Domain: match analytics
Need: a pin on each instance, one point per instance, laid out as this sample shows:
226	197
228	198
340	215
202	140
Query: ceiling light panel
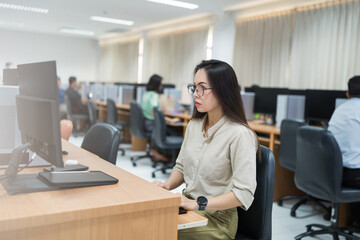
76	31
23	8
176	3
112	20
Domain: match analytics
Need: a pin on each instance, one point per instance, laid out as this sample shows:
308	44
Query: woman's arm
221	202
175	179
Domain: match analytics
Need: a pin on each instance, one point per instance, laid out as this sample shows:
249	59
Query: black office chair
255	223
102	139
166	143
137	129
74	117
112	119
92	113
319	174
287	159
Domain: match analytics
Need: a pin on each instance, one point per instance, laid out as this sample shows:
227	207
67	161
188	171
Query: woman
217	160
150	100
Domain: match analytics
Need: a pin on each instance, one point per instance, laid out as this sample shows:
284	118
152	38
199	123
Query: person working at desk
345	125
150	100
217	160
75	97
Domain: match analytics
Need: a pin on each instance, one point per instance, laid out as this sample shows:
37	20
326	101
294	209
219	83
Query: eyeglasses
199	89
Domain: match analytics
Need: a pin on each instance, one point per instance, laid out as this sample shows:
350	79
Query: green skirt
221	225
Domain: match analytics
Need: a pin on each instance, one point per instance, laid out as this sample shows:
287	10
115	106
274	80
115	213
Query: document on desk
191	219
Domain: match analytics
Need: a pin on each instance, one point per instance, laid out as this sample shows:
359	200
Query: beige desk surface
131	209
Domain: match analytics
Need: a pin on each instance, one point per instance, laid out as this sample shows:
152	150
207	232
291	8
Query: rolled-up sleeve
243	160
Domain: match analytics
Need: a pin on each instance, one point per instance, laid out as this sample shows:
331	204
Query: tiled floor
284	227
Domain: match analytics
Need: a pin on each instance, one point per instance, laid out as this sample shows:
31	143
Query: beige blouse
222	162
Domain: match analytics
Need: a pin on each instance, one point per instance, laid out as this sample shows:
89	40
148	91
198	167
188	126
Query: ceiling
76	13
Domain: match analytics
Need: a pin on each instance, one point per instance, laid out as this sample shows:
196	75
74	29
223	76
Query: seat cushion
348	195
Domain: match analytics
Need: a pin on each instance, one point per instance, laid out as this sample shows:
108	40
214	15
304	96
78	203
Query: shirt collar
214	128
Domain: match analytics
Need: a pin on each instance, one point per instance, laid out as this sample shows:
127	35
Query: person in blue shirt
345	125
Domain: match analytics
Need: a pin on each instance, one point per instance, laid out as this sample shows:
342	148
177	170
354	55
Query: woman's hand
161	184
188	204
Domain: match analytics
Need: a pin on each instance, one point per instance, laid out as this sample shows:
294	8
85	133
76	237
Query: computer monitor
98	91
10	135
139	92
248	99
111	92
10	77
39	123
175	94
85	90
266	99
126	94
320	104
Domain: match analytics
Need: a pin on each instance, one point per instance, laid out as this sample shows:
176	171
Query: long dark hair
154	83
226	88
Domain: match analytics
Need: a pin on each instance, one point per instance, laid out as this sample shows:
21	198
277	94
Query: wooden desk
131	209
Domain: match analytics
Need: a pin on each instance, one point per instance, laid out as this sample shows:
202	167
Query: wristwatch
202	202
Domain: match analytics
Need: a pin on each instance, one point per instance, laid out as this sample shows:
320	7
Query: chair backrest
68	107
287	155
111	111
255	223
319	163
92	112
102	139
137	123
160	128
66	128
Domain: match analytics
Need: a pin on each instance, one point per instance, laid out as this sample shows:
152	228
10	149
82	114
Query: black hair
71	80
354	86
154	83
225	87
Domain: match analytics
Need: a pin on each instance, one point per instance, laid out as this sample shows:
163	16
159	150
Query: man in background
75	97
345	125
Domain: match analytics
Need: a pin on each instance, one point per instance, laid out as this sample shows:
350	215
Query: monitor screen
38	110
10	77
266	99
320	104
111	91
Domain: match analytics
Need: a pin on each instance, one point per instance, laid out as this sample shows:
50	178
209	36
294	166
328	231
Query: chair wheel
280	202
154	165
153	175
327	216
134	164
163	171
123	153
308	229
293	213
131	158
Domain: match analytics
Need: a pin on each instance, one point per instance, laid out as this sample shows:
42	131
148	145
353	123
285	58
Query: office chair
66	127
92	113
137	129
102	139
320	175
166	143
112	119
287	159
255	223
74	117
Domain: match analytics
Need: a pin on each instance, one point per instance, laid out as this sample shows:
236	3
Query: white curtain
119	62
175	56
261	51
325	48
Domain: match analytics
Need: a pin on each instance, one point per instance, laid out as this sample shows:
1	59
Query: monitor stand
24	183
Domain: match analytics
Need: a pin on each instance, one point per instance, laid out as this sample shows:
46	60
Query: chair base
162	169
332	230
303	200
134	159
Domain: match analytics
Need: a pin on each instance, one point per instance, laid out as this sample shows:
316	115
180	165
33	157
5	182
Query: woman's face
207	102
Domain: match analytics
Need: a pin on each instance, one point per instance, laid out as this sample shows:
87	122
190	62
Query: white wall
74	56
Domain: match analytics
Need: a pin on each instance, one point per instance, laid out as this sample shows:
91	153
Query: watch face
202	200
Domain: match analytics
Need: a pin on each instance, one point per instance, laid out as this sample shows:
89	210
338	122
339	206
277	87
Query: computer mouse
71	162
